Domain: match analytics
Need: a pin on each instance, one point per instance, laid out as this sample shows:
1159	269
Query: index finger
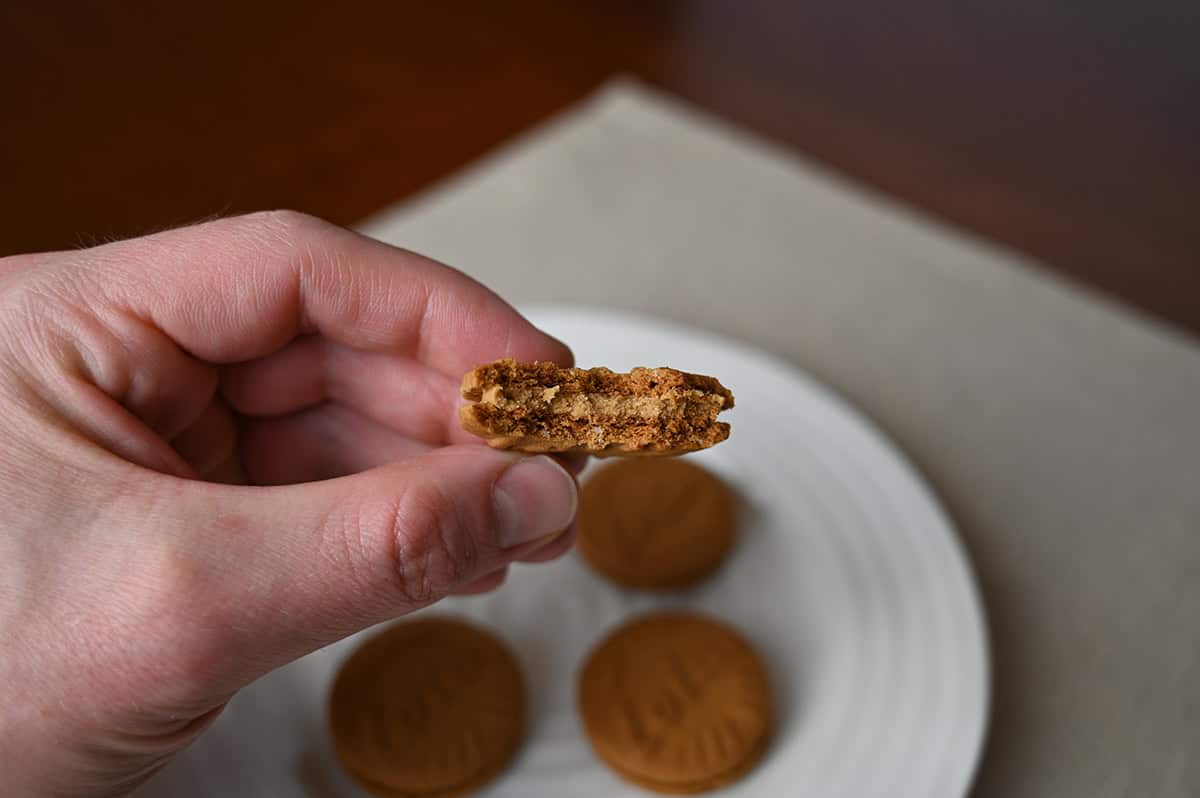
240	288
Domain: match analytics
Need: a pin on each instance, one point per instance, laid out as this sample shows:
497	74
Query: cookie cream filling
592	405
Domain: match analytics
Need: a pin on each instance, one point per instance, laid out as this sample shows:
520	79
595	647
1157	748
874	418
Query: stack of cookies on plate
673	701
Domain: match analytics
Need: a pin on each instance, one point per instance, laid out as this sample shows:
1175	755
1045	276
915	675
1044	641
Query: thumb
274	573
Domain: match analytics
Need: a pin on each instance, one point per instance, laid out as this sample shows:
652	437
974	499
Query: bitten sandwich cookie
542	407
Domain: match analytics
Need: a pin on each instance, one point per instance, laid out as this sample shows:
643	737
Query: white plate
848	577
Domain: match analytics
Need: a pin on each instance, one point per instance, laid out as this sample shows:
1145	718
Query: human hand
137	592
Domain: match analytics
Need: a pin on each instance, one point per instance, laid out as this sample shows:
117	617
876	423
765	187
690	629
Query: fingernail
534	498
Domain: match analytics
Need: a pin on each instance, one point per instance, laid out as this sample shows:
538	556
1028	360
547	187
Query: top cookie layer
676	702
655	523
427	707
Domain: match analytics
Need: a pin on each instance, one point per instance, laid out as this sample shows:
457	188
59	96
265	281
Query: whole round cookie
676	702
655	523
432	707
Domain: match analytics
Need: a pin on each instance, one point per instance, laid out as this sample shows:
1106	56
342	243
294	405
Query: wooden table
1068	131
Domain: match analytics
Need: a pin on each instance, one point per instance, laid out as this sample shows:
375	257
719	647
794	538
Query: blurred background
1068	131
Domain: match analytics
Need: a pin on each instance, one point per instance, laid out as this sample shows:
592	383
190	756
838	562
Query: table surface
1068	132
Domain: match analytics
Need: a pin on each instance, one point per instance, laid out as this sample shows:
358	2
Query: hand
137	592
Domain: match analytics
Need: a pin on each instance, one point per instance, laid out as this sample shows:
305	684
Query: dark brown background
1069	130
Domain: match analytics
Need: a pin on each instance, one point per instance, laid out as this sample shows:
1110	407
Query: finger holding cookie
226	446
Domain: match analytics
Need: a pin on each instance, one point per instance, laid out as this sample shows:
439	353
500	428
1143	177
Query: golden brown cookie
542	407
655	523
676	702
432	707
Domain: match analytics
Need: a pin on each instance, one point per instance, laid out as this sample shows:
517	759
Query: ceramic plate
848	577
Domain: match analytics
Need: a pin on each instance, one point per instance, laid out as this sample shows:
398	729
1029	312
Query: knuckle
287	225
431	548
290	235
308	249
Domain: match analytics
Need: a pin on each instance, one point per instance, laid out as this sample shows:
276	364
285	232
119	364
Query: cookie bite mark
543	407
